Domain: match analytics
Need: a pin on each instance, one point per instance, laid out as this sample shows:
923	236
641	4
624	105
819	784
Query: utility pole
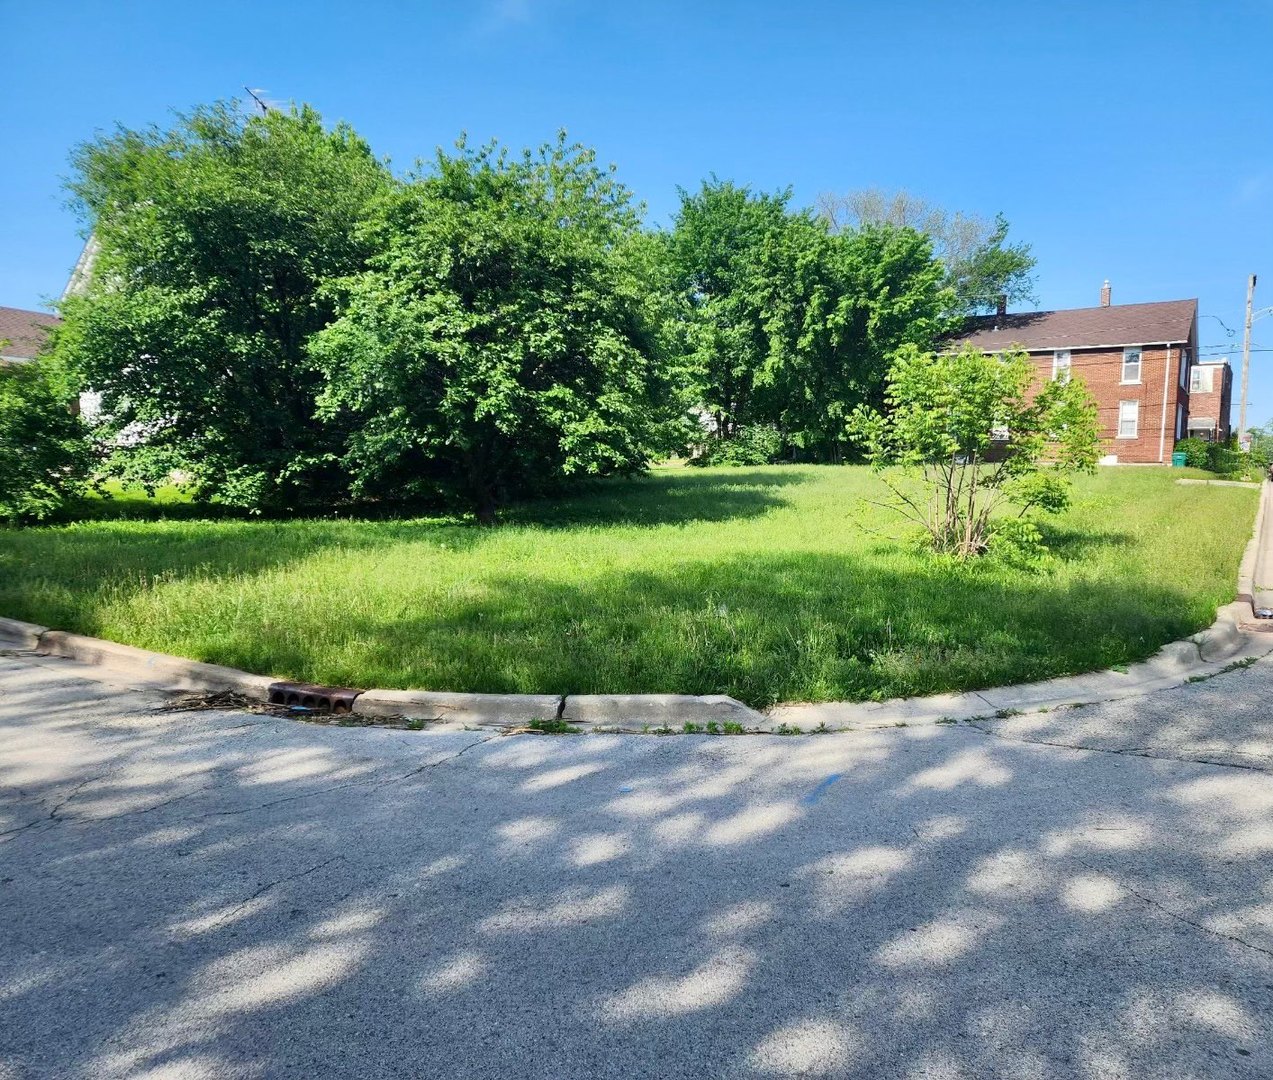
1246	361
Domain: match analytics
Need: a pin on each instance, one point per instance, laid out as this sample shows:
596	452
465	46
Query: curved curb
1236	637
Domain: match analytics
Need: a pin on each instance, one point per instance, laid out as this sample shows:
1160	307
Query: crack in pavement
229	915
1159	906
54	817
451	757
1127	751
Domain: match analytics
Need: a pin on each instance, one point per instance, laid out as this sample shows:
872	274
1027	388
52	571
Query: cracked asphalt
1086	893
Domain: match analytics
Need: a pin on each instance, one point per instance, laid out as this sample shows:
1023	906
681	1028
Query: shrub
1018	542
756	444
945	428
44	455
1196	451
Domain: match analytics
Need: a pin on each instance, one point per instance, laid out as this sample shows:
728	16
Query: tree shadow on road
228	895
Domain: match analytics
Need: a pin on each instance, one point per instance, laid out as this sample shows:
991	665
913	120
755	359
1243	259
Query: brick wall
1218	403
1102	370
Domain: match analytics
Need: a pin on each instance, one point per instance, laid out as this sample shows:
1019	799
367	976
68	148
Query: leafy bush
945	413
1232	464
1018	542
44	455
1196	451
1224	459
756	444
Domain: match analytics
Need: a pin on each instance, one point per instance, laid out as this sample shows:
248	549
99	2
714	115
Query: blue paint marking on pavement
821	789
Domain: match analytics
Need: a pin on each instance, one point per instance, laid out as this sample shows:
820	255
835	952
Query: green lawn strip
758	583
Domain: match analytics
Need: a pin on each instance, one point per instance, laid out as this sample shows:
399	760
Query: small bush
1018	542
44	455
756	444
1196	451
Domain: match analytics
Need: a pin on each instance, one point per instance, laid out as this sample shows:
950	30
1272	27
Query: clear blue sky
1123	140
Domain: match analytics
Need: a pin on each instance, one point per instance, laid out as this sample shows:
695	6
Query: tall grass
759	583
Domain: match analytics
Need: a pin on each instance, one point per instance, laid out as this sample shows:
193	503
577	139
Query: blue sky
1128	141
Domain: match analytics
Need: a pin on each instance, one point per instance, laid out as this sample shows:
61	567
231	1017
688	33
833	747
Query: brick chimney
1003	304
1105	294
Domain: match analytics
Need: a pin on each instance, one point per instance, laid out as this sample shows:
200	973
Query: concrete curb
1232	638
481	710
1254	582
15	634
150	670
640	712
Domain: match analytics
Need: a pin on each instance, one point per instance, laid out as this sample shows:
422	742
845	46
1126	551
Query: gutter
1162	431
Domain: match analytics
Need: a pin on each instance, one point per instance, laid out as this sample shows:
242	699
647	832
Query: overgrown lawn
758	583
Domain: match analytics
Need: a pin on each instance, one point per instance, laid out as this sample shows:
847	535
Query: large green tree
789	324
214	241
504	337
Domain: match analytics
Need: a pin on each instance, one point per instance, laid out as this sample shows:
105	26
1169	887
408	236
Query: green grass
757	583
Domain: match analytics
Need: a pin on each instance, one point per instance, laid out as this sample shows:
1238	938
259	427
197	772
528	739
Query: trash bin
1178	459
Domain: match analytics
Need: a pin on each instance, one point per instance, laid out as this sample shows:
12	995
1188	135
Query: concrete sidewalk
220	894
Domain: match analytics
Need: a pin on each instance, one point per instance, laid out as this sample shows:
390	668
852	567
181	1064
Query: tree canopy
44	452
501	338
788	324
215	239
981	266
277	318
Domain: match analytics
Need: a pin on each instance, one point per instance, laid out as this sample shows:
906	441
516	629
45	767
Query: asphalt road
220	894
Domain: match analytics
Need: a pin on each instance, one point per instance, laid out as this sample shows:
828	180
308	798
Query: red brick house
1210	400
1135	358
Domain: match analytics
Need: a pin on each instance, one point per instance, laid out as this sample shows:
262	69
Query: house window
1131	365
1200	380
1061	365
1180	420
1184	368
1128	419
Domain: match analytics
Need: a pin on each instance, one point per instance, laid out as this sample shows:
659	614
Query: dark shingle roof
24	330
1118	324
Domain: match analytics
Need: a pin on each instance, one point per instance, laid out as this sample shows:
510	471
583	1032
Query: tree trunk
485	507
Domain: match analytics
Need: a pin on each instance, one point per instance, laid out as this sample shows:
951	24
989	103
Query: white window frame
1199	374
1062	364
1123	407
1139	362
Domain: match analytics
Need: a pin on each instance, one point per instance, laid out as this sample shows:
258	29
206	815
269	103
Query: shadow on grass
665	497
760	628
1074	544
132	552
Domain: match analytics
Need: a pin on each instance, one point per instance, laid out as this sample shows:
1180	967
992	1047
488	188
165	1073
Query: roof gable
1076	328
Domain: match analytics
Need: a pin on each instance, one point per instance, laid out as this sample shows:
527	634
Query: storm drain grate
312	698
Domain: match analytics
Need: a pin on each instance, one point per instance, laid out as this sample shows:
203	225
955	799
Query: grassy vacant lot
755	583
